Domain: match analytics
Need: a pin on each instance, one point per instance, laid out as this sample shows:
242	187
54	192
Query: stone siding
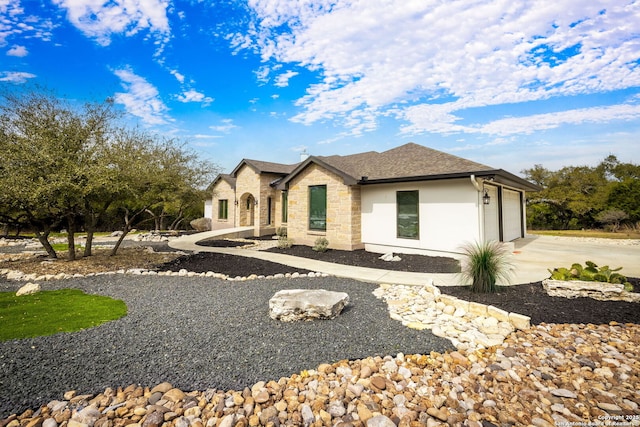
250	187
221	191
343	210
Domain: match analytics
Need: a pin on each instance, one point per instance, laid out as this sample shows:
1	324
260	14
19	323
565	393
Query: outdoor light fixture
256	202
236	202
486	199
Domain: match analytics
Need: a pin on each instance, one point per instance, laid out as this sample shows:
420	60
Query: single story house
410	199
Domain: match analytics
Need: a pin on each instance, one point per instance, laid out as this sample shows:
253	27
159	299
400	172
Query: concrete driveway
534	254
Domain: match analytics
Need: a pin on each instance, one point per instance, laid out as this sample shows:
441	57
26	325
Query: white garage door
511	215
491	215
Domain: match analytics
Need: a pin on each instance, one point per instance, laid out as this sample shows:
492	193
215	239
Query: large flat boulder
596	290
306	304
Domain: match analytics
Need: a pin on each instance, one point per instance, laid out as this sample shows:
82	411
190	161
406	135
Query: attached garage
511	215
503	216
492	214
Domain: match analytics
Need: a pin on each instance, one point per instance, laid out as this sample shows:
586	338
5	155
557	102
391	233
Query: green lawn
50	312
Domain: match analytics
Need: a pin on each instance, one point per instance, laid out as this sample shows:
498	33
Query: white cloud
192	95
204	136
226	126
99	19
16	77
179	77
262	74
537	122
425	62
433	119
19	51
141	98
283	79
14	23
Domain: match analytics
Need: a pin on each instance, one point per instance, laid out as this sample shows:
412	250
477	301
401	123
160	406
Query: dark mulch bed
528	299
222	243
228	243
361	258
230	265
532	300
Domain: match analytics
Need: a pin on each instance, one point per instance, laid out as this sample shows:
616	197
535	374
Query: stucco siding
448	215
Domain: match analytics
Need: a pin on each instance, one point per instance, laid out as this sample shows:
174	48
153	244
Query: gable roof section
223	177
409	162
265	167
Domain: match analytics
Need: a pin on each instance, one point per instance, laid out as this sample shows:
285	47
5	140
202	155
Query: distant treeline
576	197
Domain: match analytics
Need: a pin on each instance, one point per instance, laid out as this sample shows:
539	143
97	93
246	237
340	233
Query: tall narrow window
318	207
269	207
408	221
285	206
223	209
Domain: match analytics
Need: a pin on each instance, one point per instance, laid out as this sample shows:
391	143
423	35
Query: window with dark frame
318	207
285	206
223	209
407	218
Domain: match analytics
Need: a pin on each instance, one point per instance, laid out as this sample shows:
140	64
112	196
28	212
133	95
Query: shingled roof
409	162
224	177
266	167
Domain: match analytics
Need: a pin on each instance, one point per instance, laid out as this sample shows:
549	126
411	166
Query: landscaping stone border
18	275
468	325
582	289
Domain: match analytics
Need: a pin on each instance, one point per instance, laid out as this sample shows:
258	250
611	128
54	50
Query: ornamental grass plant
485	264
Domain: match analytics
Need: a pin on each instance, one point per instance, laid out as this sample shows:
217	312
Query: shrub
284	242
612	218
590	273
485	264
321	244
281	232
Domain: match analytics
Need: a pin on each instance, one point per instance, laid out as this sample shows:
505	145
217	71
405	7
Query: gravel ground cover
197	333
202	333
528	299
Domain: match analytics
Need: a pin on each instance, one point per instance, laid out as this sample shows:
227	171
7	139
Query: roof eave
346	178
498	175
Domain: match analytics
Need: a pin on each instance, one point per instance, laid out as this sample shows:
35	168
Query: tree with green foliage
67	166
573	197
155	173
612	218
49	151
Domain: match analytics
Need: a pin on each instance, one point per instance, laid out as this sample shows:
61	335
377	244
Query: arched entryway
247	207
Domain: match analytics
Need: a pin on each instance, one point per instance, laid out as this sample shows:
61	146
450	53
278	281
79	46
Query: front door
247	210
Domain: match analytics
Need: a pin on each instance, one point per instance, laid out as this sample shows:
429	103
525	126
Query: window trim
223	209
285	207
416	222
311	221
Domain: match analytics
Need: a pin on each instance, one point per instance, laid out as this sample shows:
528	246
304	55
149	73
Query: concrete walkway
531	259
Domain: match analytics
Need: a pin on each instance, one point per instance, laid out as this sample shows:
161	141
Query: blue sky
506	83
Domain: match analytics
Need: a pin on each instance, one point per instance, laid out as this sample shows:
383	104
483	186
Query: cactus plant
590	273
